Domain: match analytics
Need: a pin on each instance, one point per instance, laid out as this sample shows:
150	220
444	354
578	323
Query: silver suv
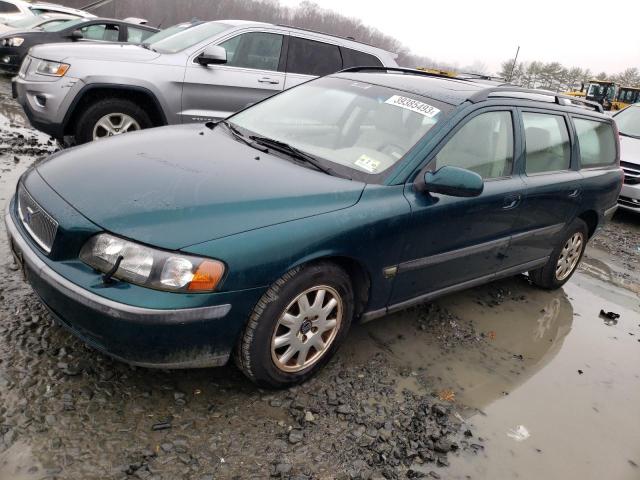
80	93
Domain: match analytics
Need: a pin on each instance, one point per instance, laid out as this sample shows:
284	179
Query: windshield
58	27
595	90
364	127
188	38
28	22
628	121
161	35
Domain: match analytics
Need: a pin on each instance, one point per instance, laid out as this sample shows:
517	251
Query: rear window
354	58
312	58
596	141
547	143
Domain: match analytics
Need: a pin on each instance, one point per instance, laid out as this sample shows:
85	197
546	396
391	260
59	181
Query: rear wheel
110	117
296	326
564	259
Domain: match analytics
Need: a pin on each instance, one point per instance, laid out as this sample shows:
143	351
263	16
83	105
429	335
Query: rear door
453	240
254	71
553	185
307	59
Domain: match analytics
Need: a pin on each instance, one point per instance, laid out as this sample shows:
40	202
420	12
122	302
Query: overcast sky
582	33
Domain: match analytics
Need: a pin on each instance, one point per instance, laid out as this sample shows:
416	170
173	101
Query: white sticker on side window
413	105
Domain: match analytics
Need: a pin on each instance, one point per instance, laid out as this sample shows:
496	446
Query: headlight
55	69
150	267
13	41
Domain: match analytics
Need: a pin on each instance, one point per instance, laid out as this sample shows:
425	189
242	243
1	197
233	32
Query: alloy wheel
114	124
569	256
307	328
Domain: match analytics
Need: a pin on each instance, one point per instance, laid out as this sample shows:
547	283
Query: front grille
629	202
631	173
40	225
25	66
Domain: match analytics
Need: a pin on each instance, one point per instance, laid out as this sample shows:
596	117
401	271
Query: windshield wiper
293	152
238	135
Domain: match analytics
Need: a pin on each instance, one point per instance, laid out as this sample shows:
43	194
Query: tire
551	276
257	354
113	108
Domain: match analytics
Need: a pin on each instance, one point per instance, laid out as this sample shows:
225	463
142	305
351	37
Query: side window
483	145
8	8
137	35
354	58
547	142
254	50
105	32
596	141
312	58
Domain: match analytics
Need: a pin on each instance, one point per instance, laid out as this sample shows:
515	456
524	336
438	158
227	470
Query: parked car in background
343	199
628	121
35	22
15	44
204	73
15	9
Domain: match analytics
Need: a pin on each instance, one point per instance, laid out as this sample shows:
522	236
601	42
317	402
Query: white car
15	9
35	22
628	121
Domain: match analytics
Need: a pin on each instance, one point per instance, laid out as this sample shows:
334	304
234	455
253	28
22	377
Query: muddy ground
498	382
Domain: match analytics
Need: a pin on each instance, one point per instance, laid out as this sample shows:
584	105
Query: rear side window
354	58
8	8
596	141
547	142
257	50
312	58
138	35
483	145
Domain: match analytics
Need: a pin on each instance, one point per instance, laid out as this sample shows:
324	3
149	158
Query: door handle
574	193
512	201
272	81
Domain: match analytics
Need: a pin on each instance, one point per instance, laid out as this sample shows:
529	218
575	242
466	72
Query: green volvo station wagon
265	236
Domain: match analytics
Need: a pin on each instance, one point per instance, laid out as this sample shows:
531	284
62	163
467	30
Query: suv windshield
161	35
628	121
188	38
364	127
28	22
58	27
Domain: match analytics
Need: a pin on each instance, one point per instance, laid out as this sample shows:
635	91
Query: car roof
456	91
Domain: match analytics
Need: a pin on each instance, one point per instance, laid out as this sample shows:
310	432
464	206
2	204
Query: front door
250	75
452	240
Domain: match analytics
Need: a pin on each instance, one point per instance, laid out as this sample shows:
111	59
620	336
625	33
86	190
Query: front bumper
630	198
158	338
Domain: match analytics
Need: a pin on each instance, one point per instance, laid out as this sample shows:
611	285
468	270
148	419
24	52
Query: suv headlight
150	267
54	69
13	41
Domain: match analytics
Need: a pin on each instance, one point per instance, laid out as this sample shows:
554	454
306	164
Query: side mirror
212	55
76	35
453	181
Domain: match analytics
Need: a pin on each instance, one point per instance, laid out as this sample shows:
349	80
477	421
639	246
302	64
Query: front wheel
296	326
564	259
110	117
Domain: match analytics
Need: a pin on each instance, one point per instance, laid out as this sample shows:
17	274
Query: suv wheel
564	259
110	117
296	326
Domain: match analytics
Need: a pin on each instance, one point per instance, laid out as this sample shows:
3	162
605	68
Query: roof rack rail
536	95
328	35
411	71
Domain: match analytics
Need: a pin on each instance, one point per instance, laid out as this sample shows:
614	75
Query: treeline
556	77
307	15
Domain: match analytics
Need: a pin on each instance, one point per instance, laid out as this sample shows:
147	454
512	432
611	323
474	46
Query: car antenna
107	278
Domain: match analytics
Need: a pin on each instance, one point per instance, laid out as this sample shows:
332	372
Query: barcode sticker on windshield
367	163
413	105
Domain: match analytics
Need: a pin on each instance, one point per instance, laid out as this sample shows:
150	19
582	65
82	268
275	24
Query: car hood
113	52
630	149
178	186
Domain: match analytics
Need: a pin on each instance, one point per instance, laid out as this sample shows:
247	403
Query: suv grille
631	173
40	225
